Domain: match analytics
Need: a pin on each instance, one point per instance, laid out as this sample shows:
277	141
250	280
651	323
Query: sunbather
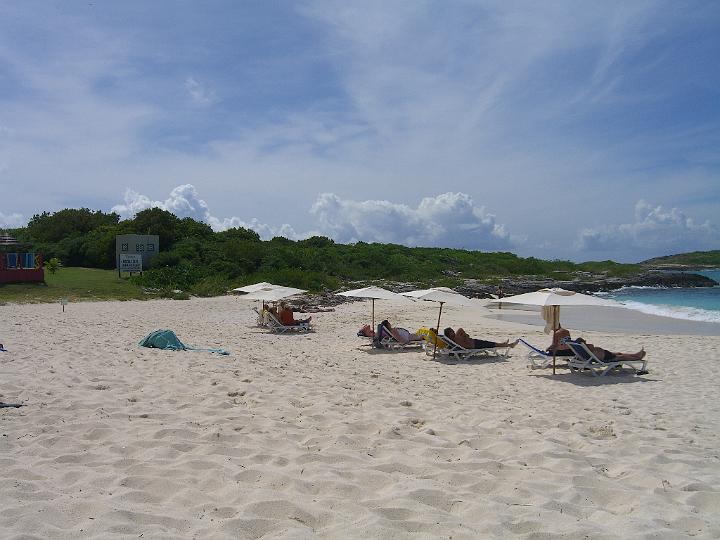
366	331
461	338
558	346
606	356
288	318
400	334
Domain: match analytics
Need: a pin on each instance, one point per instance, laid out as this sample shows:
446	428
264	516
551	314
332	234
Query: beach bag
167	340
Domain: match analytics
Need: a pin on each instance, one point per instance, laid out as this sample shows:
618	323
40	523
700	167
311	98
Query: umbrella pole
556	325
438	331
373	314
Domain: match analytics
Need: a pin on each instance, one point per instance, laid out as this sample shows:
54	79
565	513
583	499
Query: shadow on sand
624	376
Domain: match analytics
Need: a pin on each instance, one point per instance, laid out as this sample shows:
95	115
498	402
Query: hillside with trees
695	258
198	260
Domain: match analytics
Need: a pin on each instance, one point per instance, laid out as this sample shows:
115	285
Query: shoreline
610	319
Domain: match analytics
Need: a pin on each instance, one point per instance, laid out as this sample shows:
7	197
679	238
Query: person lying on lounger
606	356
288	318
366	331
558	345
400	334
461	338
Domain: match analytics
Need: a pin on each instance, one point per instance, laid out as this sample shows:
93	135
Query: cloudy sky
563	129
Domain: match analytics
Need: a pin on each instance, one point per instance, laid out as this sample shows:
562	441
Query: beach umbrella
256	287
273	294
550	301
442	295
374	293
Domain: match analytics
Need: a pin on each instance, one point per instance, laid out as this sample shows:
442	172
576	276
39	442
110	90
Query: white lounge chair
585	359
276	326
454	350
261	320
388	341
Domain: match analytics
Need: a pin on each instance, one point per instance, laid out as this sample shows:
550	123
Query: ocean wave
675	312
612	293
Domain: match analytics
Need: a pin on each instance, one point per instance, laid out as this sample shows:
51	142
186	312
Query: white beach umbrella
374	293
553	299
443	295
274	294
550	301
256	287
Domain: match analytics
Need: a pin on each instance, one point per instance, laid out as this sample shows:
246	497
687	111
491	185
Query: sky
574	129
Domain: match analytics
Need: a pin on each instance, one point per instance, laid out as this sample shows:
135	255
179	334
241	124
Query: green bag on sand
167	340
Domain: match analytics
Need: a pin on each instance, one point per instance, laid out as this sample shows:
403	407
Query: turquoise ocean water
699	304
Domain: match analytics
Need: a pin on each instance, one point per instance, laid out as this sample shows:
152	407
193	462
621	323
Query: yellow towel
431	337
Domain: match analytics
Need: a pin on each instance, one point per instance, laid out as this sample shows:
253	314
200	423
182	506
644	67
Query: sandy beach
306	436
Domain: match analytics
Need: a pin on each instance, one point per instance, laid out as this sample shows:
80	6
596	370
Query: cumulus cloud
11	220
184	201
198	92
655	231
450	220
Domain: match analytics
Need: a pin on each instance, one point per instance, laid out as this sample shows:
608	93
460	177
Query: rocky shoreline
517	285
589	284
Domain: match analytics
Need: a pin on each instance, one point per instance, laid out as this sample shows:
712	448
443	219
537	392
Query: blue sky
563	129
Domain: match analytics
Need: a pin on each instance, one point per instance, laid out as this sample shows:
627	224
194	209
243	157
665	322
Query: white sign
130	263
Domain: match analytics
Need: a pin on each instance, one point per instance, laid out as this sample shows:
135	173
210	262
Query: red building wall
21	275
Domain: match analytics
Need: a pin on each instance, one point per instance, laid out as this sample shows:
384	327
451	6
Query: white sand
316	436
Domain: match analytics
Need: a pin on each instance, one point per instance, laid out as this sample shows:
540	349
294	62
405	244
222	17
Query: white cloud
199	93
655	231
11	220
184	201
450	219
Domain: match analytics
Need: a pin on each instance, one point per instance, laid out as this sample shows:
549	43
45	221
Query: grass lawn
74	284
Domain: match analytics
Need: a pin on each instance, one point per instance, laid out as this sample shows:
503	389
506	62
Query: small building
18	263
146	246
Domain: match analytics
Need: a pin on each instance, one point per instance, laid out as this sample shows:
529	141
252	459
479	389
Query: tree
188	227
156	221
67	223
239	233
53	265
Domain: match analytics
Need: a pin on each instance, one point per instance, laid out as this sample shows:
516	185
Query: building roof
6	240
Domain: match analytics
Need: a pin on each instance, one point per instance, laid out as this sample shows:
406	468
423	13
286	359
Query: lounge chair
276	326
585	359
388	341
260	317
538	358
460	352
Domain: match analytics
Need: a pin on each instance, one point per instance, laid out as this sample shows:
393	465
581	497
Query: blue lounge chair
538	358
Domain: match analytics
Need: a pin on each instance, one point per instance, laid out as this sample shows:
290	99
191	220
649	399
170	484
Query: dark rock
584	283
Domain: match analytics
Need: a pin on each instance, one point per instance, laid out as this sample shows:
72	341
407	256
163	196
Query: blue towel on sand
167	340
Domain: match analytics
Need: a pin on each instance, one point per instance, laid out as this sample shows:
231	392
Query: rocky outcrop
590	284
587	283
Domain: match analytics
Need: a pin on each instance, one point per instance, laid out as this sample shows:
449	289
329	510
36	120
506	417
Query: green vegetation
198	261
700	258
73	284
53	265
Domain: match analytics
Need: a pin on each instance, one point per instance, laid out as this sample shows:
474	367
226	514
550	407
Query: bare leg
631	356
